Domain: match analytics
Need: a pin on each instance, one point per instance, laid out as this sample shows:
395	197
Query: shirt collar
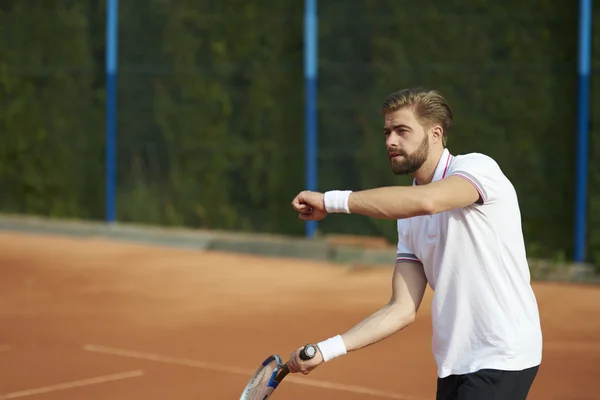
442	167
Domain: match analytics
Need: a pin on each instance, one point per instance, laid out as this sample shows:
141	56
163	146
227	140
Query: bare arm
397	202
408	286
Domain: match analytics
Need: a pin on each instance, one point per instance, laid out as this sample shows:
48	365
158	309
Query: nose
391	141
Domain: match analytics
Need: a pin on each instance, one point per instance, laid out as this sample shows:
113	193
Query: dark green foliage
211	107
51	116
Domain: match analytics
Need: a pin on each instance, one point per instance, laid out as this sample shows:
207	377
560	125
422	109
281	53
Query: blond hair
429	107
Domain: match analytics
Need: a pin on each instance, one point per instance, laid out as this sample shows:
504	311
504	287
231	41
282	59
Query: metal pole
310	76
585	49
112	26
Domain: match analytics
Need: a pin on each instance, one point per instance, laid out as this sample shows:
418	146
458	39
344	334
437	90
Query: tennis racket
270	374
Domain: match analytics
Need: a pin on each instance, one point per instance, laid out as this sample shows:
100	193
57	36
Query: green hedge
211	107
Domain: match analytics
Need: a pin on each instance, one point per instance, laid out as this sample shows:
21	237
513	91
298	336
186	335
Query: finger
306	369
306	217
297	200
302	208
292	365
304	197
296	362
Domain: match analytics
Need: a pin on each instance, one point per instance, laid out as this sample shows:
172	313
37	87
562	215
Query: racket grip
308	352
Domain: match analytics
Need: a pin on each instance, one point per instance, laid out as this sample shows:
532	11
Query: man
459	229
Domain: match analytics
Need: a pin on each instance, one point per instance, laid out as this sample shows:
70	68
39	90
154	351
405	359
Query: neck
424	175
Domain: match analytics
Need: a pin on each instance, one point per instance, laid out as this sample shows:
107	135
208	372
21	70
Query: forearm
393	202
376	327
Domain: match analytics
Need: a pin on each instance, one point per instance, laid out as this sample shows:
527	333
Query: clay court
94	319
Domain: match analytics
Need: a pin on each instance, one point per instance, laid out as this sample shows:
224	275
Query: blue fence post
112	27
310	76
581	179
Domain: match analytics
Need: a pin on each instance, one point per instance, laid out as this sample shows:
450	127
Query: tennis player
459	230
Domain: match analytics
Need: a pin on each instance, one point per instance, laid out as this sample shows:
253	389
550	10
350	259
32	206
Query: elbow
408	318
428	206
405	319
404	316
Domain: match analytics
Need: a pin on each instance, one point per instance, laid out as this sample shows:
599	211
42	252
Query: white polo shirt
484	311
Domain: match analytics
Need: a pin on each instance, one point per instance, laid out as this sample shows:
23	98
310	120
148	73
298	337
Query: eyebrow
397	126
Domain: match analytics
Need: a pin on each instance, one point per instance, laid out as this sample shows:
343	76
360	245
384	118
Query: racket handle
308	352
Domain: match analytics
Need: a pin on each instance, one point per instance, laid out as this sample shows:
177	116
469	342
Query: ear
437	133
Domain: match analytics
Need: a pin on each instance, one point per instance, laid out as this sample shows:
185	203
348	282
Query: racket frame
281	370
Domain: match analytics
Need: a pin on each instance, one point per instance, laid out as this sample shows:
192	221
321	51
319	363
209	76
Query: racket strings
256	388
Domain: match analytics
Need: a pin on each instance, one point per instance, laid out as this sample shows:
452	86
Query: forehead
404	116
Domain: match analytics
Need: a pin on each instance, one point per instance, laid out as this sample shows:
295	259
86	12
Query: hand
296	364
310	205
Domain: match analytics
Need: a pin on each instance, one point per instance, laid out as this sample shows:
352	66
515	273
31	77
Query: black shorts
487	384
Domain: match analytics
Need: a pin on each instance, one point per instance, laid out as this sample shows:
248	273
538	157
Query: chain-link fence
211	106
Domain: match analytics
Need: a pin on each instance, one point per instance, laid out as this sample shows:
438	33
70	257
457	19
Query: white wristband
332	348
336	201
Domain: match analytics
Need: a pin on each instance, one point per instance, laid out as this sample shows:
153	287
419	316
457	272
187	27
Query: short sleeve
404	252
482	171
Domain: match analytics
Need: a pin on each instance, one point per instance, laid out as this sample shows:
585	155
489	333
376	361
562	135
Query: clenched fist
310	205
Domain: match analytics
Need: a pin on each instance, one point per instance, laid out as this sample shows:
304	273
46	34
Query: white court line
74	384
4	347
242	371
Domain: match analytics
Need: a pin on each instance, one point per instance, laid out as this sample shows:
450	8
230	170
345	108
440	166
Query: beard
410	163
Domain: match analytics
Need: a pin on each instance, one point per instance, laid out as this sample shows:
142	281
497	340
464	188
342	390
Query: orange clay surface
93	319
